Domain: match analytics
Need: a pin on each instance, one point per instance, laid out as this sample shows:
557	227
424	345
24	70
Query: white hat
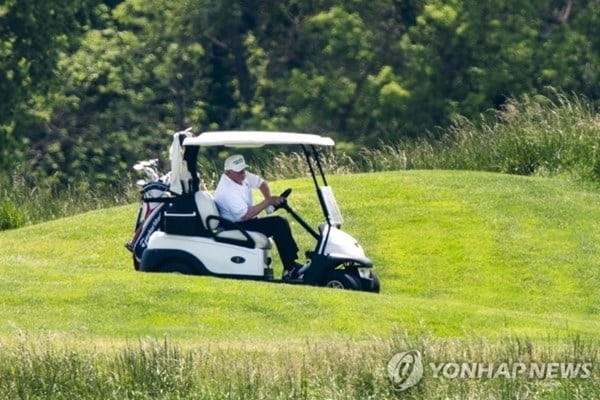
235	163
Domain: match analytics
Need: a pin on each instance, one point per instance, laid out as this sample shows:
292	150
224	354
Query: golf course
472	264
451	146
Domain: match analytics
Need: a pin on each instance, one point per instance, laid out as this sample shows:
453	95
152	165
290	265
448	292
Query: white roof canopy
255	139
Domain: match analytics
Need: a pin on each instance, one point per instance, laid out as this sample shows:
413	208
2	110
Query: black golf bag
149	219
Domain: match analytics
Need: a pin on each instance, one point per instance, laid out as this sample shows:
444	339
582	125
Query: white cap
235	163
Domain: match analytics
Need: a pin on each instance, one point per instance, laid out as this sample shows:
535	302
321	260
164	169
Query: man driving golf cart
233	196
191	233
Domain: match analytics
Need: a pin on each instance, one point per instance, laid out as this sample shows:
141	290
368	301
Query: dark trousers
279	229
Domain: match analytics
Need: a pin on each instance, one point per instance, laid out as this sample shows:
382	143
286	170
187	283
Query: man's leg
279	229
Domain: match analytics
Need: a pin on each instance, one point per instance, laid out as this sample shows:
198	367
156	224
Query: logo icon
405	370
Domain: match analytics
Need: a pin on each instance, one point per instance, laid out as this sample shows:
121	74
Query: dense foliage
89	87
32	35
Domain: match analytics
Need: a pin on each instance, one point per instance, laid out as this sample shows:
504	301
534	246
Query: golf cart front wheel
339	279
372	284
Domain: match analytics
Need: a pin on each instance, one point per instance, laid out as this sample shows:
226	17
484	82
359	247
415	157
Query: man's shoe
291	272
287	274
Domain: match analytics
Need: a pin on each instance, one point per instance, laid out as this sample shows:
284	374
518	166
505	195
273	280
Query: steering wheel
285	194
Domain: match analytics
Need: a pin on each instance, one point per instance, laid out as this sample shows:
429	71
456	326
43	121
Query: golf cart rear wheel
175	267
339	279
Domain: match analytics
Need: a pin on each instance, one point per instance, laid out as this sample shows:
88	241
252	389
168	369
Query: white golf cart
192	238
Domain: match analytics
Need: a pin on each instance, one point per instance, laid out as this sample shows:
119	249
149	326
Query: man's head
235	163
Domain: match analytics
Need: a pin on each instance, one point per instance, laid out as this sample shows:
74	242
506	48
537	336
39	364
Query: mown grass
498	254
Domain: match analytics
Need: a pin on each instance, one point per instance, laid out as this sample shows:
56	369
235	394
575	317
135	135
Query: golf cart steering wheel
285	194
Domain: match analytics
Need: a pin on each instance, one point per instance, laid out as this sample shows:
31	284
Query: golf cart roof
255	139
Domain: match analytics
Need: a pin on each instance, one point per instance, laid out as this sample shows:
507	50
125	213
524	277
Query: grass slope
458	253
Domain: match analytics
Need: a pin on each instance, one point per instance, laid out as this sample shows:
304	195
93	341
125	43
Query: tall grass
557	134
51	369
540	135
24	202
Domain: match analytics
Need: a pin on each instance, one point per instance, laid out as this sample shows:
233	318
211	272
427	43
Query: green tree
132	80
358	70
465	57
32	35
571	51
333	68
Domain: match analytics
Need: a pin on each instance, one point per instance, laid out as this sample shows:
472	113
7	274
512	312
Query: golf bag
149	219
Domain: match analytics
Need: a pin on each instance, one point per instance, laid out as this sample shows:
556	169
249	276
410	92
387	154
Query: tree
332	70
32	35
360	71
134	79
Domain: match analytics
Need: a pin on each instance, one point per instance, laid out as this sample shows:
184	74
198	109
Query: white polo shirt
234	199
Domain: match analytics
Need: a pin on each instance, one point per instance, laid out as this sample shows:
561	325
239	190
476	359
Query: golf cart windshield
333	211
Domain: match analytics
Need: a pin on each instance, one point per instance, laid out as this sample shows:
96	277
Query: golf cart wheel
175	266
339	279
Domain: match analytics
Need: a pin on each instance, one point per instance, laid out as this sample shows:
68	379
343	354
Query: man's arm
265	189
257	208
268	201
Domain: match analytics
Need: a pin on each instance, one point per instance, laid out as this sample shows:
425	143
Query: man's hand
274	200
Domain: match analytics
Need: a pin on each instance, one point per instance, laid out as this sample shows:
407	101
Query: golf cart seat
226	231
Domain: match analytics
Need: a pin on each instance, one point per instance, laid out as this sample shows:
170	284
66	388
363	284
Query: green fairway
458	253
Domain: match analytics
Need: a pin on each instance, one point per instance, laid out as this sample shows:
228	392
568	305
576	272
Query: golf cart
186	234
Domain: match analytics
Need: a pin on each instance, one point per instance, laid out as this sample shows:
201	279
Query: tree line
88	87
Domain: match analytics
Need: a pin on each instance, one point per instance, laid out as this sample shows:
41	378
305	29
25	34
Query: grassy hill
459	254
